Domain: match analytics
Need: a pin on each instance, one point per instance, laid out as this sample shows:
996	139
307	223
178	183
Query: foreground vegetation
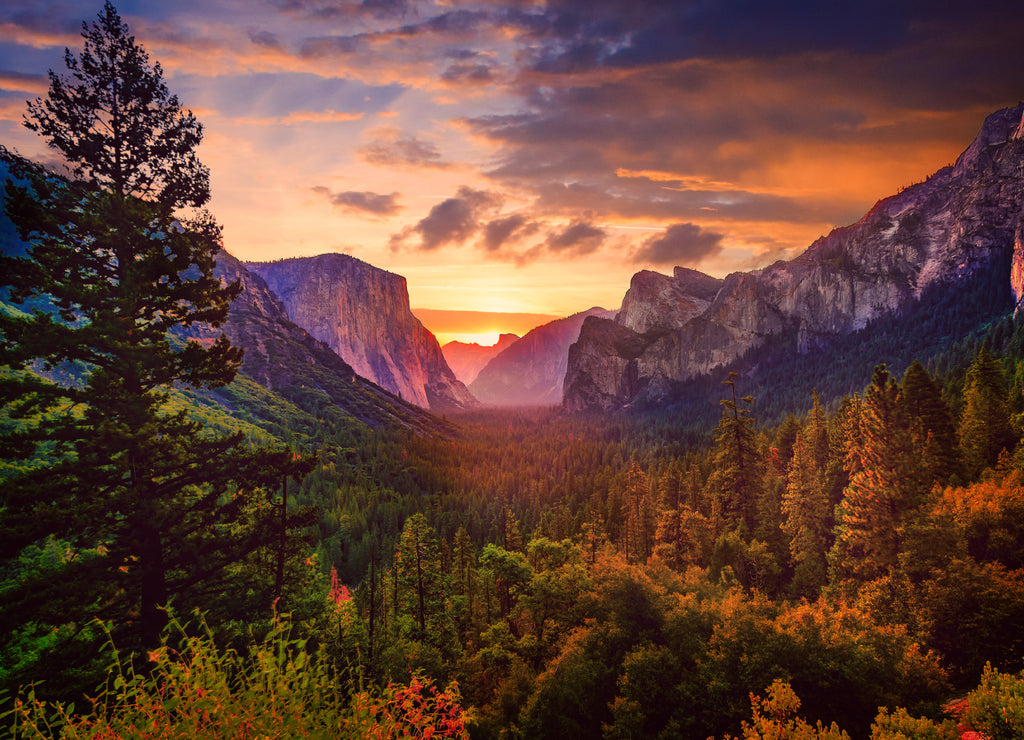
857	568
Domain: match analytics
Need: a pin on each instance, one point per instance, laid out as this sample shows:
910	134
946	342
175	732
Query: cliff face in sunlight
286	359
530	372
363	314
467	359
962	219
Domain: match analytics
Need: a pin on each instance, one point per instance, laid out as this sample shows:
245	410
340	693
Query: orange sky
480	327
515	157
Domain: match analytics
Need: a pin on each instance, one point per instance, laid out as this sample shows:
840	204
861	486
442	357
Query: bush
278	689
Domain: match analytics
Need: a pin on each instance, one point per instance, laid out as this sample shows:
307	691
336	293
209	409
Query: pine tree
682	532
120	257
985	425
886	482
931	425
637	515
736	481
808	516
422	583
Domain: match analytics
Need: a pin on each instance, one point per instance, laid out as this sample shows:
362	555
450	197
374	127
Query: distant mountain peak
531	370
467	359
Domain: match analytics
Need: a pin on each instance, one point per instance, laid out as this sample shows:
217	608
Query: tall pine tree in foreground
735	484
145	508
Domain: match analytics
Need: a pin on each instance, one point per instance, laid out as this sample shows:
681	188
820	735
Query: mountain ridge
531	370
956	223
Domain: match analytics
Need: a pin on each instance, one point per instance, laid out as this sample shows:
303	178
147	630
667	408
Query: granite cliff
362	313
964	219
287	360
530	371
467	359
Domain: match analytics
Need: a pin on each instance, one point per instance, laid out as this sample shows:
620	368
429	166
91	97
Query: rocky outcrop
531	371
286	359
362	313
467	359
960	221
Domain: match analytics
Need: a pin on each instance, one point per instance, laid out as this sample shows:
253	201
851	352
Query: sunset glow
478	327
511	158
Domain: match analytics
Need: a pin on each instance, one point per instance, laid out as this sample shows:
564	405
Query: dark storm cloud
577	35
377	204
392	149
680	244
452	221
578	238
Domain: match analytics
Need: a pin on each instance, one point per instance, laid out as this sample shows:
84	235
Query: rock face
530	372
284	357
362	313
467	359
962	219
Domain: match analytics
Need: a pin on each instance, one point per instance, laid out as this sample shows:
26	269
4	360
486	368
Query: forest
187	553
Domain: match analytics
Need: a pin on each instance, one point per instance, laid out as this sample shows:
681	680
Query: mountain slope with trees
856	566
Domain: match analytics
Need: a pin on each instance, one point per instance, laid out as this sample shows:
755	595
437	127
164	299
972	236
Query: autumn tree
886	482
149	507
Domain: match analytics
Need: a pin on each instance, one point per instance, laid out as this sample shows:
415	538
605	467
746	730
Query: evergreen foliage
147	507
644	575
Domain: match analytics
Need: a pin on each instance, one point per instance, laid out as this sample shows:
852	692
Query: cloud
391	148
266	39
452	221
680	244
29	83
325	10
469	73
286	98
578	238
499	231
377	204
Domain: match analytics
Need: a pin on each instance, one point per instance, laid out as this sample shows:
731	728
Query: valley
251	498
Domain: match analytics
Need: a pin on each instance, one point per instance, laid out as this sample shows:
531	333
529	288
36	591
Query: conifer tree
886	482
149	506
637	515
985	424
736	480
682	531
422	583
808	516
931	426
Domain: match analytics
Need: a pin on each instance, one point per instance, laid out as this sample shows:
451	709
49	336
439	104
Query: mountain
362	313
962	222
291	386
530	371
297	369
467	359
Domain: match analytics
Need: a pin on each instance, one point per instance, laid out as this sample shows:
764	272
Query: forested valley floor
856	568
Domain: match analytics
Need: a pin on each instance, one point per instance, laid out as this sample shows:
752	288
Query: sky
518	160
